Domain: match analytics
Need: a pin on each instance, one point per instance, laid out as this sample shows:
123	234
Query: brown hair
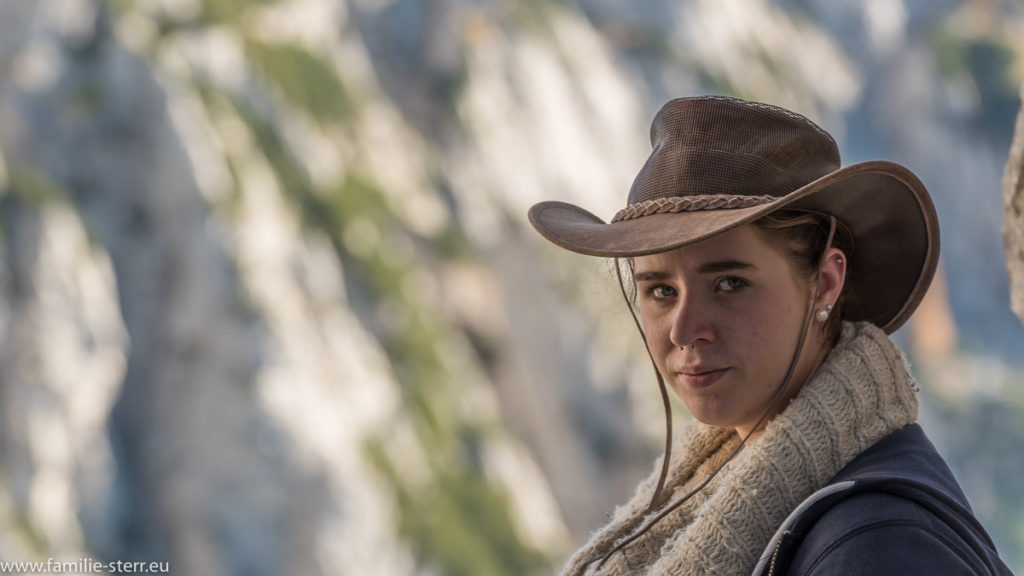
801	237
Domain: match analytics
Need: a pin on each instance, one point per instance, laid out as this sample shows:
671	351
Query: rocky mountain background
269	303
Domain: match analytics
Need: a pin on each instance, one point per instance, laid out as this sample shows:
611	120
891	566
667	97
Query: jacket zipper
775	554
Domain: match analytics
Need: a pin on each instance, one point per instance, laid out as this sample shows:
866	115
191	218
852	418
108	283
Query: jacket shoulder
895	509
878	534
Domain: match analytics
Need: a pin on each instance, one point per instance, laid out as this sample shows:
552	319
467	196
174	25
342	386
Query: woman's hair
801	237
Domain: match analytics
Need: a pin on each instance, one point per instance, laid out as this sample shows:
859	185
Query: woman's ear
833	276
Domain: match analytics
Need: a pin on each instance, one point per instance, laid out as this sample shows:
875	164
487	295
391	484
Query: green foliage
87	97
644	40
717	83
412	346
34	186
228	11
29	534
121	6
304	79
460	523
532	14
451	242
465	526
217	103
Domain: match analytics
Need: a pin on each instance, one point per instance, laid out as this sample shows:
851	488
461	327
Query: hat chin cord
808	318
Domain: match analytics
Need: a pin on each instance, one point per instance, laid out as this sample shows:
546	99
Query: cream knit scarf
860	394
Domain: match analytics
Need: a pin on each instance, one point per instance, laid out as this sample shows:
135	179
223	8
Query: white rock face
238	383
64	350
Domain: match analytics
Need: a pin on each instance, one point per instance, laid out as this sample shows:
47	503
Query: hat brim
885	207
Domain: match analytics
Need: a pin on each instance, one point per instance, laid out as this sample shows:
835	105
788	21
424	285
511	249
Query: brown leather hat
719	163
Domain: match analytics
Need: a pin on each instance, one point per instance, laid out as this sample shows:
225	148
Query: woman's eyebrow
652	276
723	266
706	268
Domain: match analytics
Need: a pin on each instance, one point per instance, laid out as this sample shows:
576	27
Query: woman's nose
690	322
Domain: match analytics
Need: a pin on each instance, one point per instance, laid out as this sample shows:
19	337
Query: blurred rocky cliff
269	303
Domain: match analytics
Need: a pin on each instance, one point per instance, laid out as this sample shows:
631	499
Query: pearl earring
822	315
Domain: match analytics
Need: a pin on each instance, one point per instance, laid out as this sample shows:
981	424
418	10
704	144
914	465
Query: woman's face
737	305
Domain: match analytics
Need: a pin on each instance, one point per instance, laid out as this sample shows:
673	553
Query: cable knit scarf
859	395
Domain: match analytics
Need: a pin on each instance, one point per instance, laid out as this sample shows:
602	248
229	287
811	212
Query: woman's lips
702	378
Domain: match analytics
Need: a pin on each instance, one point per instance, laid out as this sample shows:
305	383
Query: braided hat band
677	204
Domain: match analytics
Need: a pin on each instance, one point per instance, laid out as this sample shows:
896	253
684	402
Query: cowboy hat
719	163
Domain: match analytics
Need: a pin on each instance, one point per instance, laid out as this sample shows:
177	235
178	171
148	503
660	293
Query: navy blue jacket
894	510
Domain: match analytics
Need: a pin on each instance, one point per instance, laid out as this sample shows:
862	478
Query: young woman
766	279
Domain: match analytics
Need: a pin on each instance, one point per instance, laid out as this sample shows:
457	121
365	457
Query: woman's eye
731	284
660	292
